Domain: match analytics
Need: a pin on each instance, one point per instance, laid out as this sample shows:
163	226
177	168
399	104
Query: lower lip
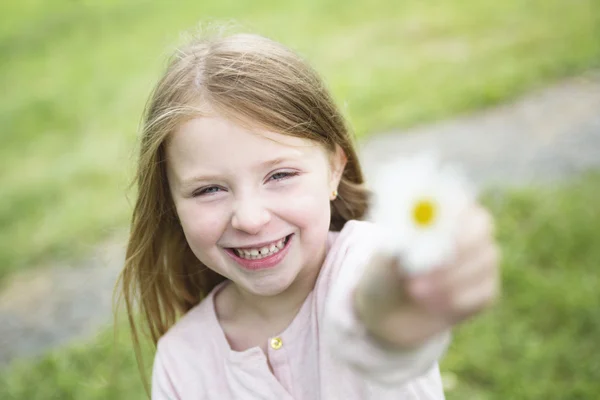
264	263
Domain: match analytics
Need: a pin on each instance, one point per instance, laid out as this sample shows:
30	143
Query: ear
337	162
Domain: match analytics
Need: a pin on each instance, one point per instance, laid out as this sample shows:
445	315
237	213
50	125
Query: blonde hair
247	78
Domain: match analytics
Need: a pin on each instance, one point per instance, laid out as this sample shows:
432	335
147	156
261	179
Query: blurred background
74	77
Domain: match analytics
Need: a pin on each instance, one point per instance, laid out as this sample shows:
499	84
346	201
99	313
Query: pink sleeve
348	338
162	385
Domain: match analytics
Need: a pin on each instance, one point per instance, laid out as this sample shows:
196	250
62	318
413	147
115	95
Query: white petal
397	189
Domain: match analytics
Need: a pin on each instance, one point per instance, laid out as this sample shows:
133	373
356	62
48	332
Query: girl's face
254	207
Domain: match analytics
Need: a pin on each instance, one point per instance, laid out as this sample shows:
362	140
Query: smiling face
254	207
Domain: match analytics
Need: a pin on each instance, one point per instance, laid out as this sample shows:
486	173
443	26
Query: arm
403	311
393	328
382	303
347	336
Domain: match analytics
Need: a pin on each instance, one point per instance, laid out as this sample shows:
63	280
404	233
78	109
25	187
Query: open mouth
260	253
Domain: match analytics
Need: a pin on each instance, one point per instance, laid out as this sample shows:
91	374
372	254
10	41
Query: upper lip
259	245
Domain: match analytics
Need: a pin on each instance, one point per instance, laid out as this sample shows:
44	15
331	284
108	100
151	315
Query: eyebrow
263	165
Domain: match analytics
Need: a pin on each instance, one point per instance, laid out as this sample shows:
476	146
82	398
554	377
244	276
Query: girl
247	257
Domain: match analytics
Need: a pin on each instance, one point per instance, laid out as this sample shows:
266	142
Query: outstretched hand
406	310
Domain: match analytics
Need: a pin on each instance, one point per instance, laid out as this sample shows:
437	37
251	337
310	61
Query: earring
334	195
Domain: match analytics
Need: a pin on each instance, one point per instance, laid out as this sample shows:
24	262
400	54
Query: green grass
75	76
539	342
100	370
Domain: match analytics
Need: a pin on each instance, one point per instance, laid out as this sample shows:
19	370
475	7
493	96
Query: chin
271	287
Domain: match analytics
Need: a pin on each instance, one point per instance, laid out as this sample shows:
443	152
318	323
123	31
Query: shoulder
193	331
187	354
351	246
361	234
196	333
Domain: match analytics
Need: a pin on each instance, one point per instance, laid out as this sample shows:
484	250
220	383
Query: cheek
308	207
202	225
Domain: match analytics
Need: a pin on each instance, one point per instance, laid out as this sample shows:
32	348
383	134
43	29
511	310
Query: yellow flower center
424	212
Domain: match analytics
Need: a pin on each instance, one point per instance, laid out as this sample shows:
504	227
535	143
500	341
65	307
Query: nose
250	216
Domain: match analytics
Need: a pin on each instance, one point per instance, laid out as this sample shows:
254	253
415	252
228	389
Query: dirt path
549	135
544	137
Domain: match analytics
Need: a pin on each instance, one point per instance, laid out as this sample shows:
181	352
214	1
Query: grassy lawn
540	342
75	76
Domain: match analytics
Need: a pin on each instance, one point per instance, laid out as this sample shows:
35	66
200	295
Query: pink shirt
325	353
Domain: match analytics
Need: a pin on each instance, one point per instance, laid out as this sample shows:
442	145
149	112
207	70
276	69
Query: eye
278	176
206	190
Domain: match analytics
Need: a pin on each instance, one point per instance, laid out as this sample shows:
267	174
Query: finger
438	290
478	228
474	235
478	291
481	263
476	298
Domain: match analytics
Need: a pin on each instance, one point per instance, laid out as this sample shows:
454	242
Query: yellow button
276	343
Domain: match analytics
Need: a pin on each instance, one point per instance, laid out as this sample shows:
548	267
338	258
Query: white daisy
417	203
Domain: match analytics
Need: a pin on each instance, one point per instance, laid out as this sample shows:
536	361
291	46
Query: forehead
219	144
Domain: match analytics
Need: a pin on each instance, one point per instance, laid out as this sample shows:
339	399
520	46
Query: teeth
255	254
